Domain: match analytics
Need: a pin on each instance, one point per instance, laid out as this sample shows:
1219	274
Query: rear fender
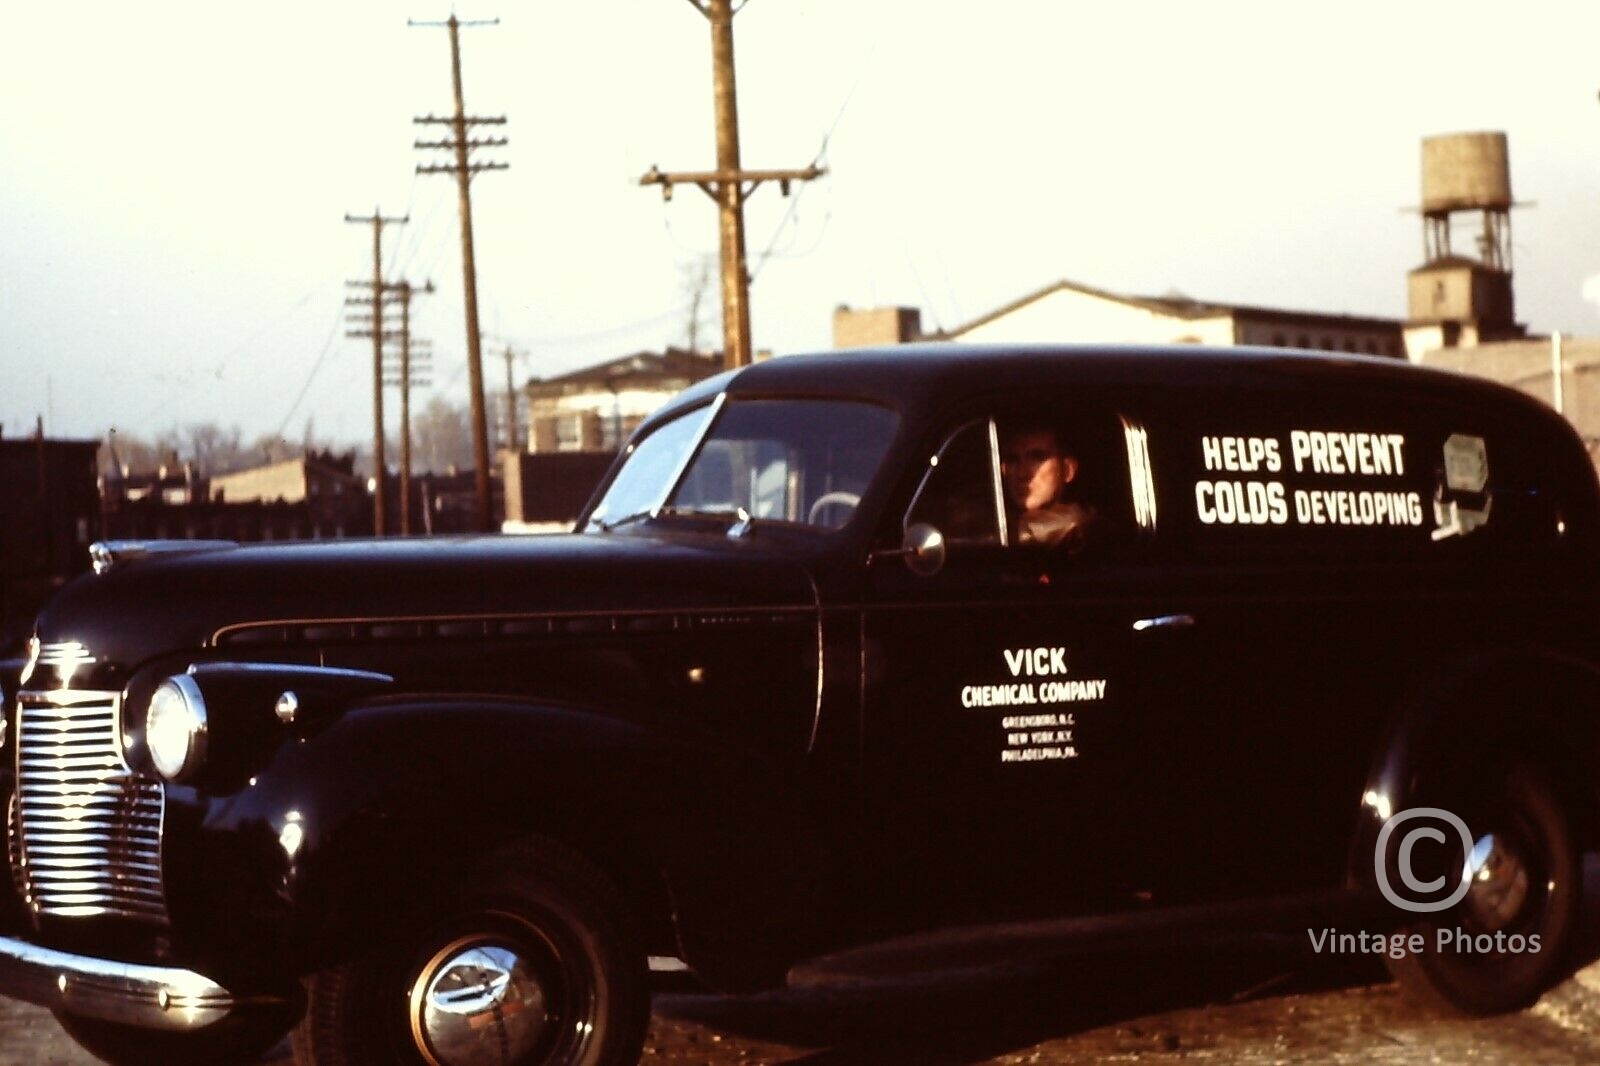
1455	720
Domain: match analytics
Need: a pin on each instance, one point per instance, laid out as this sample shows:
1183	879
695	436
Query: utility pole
729	185
405	381
463	170
377	221
511	402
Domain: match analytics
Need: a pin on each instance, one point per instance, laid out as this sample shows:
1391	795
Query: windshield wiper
740	522
627	519
638	516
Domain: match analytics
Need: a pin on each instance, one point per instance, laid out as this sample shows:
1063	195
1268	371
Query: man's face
1033	468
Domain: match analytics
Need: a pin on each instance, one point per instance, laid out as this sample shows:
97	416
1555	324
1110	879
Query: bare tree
130	454
696	286
441	437
214	449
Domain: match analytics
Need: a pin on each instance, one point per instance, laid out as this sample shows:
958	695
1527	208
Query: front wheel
1506	942
534	965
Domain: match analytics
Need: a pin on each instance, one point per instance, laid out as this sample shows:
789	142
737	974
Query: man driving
1037	470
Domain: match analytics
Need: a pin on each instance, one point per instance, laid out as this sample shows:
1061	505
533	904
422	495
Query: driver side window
960	494
1036	475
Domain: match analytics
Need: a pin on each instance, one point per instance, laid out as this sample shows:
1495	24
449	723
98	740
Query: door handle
1166	621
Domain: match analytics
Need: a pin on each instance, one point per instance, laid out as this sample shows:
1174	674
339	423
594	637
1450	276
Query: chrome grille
90	830
66	656
14	847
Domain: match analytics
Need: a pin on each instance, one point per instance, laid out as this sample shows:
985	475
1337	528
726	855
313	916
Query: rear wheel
535	963
1506	942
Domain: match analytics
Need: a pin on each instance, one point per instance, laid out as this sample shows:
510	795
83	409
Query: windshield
806	462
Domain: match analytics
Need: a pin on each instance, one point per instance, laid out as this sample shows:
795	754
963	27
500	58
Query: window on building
569	433
609	439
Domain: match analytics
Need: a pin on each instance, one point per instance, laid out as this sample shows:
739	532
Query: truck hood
165	603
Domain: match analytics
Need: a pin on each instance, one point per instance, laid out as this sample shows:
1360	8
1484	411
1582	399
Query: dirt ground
1236	1003
1248	1000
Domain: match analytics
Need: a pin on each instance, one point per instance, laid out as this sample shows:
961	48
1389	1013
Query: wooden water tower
1467	298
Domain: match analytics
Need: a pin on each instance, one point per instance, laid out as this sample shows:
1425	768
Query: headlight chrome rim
162	739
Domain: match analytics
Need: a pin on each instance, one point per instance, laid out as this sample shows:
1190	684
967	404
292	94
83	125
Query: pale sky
174	177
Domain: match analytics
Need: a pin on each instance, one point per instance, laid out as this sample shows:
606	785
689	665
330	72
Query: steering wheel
831	499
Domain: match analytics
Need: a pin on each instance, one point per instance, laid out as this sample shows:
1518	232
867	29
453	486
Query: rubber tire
239	1038
1478	985
354	1014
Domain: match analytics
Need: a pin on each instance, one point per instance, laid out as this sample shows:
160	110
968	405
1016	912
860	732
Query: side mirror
924	549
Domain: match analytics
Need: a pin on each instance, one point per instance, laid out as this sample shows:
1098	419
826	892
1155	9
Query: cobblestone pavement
1246	1004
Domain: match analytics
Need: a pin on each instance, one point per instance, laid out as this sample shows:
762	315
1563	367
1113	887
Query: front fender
246	696
367	824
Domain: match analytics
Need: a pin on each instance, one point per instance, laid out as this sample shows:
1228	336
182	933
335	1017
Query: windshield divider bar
689	455
998	479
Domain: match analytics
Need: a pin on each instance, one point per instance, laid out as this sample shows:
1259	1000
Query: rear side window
1347	478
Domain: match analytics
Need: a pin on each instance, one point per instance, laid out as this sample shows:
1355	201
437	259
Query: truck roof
912	375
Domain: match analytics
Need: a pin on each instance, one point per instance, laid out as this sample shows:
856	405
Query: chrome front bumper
152	997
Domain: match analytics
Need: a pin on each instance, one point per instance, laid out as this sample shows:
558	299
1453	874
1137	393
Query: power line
816	162
327	346
188	377
425	232
266	325
429	247
599	334
394	255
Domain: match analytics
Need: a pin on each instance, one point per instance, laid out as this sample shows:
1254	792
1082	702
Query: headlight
175	727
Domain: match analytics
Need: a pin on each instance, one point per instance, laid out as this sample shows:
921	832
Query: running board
984	947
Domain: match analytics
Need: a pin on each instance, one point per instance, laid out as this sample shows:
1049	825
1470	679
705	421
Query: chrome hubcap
478	1002
1498	878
